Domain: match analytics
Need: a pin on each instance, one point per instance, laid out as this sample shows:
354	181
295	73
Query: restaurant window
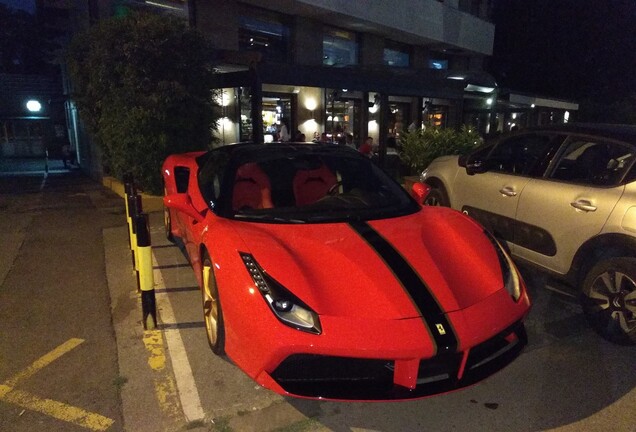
399	114
397	55
277	108
343	115
245	113
339	48
436	117
266	36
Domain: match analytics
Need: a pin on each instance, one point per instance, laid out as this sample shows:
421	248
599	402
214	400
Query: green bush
420	147
142	85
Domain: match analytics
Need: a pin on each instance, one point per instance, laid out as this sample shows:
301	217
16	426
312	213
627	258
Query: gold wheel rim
210	304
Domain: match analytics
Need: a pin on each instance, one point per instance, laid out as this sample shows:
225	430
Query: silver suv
563	198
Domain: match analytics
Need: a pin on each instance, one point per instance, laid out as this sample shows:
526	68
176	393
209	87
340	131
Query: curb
150	203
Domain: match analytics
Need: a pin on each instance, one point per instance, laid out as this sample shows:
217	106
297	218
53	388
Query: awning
395	82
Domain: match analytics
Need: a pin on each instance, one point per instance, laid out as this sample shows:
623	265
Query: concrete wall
371	50
218	20
306	46
424	20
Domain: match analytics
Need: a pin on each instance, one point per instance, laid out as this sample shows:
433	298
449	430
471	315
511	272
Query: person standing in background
284	131
367	147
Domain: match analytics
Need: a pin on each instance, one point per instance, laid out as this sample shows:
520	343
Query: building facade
343	68
335	69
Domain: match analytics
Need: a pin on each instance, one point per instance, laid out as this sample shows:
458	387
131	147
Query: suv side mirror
181	202
476	166
461	161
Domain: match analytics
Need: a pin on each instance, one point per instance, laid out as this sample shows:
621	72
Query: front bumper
345	378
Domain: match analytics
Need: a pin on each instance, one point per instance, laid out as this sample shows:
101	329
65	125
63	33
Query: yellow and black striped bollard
145	272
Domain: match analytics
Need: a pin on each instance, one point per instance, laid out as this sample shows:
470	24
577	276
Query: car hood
444	159
357	270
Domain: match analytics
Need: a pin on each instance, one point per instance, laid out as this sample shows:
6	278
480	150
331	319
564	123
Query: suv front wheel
436	197
609	299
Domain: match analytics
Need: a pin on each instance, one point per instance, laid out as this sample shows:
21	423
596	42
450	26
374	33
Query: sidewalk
33	166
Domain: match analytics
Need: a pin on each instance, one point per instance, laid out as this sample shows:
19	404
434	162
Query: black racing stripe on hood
413	284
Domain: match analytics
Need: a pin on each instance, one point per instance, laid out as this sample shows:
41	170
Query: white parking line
560	291
188	393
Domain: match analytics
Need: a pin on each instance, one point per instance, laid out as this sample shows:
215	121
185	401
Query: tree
421	146
142	85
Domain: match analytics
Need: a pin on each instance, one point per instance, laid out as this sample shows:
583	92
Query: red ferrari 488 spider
321	277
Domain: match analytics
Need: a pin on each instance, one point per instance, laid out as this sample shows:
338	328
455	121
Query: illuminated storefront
336	102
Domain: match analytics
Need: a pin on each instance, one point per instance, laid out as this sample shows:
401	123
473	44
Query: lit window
269	37
438	64
397	55
339	48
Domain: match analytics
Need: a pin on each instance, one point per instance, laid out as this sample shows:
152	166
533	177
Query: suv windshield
301	184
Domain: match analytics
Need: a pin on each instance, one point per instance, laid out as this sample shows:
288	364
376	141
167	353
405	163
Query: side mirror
420	191
181	202
475	167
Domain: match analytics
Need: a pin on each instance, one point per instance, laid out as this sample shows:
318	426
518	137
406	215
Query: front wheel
167	224
436	197
167	220
609	299
212	313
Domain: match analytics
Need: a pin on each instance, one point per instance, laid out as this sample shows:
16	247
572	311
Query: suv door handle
508	191
584	205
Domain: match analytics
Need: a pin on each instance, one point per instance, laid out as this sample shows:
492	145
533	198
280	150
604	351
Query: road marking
557	290
55	409
188	393
43	181
43	361
165	388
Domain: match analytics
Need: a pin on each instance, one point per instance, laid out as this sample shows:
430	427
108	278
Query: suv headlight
511	279
288	308
423	175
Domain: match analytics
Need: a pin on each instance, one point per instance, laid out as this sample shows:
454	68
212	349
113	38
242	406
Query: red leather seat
311	185
252	188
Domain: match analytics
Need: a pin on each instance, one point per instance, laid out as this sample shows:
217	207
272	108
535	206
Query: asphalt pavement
58	358
74	355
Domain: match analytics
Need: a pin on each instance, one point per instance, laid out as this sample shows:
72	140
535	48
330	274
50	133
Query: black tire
609	299
167	224
212	312
436	197
167	220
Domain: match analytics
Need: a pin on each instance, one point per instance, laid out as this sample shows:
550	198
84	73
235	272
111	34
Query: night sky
566	48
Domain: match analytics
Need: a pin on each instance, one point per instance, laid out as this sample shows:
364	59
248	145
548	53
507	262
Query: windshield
313	186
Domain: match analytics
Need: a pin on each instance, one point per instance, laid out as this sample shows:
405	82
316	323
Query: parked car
321	277
563	198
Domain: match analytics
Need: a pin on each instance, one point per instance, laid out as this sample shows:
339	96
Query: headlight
288	308
508	269
423	175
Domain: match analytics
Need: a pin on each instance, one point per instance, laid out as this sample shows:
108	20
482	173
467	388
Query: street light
33	105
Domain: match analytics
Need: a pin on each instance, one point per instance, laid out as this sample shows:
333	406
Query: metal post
145	271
